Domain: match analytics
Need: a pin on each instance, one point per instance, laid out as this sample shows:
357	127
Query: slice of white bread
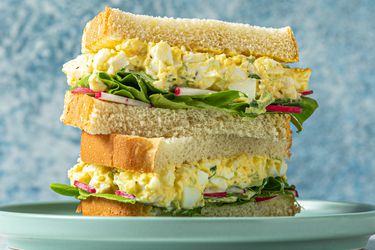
282	205
100	117
142	154
112	26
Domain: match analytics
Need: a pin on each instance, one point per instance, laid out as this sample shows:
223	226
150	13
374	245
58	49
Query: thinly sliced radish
235	190
190	91
260	199
283	109
307	92
84	186
81	90
295	192
215	195
120	99
124	194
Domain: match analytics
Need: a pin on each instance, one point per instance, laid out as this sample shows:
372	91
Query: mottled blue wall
332	159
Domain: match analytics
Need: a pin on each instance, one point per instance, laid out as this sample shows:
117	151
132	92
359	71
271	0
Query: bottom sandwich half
121	175
282	205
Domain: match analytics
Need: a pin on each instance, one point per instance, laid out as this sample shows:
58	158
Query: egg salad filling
176	66
188	186
159	75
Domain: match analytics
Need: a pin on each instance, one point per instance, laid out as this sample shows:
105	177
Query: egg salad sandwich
184	117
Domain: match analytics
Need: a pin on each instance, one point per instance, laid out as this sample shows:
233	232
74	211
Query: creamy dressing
181	186
174	66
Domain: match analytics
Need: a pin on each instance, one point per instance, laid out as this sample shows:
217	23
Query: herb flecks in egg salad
175	78
231	180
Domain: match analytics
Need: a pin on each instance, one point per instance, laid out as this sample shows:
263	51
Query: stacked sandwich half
183	117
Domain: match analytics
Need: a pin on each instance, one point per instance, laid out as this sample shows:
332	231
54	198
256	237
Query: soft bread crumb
94	206
150	154
99	117
279	206
113	26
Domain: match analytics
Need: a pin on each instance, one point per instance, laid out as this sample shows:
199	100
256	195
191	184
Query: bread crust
151	154
113	26
124	152
279	206
100	117
95	206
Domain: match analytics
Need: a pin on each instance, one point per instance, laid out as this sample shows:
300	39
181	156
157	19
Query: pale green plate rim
14	225
370	210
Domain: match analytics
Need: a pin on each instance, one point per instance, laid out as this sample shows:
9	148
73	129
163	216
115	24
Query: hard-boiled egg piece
247	87
78	68
190	197
100	62
117	62
96	84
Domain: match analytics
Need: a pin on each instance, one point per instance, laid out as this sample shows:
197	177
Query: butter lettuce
83	83
271	186
80	194
308	106
139	86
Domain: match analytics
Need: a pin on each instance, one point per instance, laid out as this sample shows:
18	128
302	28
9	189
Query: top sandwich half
187	64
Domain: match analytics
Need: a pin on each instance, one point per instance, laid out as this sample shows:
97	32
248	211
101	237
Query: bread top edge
139	154
112	26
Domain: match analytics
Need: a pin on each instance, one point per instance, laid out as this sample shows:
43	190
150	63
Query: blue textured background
332	159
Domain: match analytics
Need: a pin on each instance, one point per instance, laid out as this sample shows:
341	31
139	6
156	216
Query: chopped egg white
96	84
281	81
176	66
99	177
78	68
190	197
181	186
247	86
101	58
218	183
117	62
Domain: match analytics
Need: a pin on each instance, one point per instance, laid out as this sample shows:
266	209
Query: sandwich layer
99	117
174	66
151	154
112	26
278	206
189	185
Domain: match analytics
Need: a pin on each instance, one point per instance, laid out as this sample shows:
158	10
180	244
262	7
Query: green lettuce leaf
308	106
271	186
80	194
83	83
64	189
139	86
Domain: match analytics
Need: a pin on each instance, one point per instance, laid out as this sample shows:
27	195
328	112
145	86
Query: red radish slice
215	195
283	109
307	92
190	91
98	95
124	194
120	99
84	186
260	199
81	90
295	192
